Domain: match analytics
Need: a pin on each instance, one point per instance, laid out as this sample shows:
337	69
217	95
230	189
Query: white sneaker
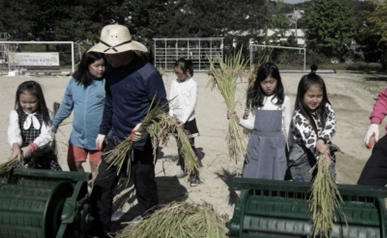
180	174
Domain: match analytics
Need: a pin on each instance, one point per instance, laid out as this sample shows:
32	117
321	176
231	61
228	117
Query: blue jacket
87	103
130	90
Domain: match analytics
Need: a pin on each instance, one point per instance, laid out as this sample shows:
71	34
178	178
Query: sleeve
191	103
14	133
172	95
330	126
287	111
302	127
106	122
65	108
379	111
249	122
156	90
44	137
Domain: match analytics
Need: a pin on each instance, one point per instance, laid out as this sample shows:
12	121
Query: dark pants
375	170
143	175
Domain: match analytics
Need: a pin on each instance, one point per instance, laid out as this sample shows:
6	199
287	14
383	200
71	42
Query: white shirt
269	104
14	132
183	98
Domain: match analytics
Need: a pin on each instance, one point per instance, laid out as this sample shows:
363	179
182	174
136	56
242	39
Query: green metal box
42	203
280	209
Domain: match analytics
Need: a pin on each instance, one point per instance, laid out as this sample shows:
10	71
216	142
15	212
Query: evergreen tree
331	27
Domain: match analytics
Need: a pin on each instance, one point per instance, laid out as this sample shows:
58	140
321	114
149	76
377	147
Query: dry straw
176	220
225	79
325	200
158	124
6	167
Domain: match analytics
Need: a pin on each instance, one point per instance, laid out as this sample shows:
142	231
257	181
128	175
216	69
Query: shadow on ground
227	178
169	190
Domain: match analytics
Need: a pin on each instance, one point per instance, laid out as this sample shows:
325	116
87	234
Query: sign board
33	58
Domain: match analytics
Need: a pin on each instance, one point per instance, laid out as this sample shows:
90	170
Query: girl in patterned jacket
312	128
29	130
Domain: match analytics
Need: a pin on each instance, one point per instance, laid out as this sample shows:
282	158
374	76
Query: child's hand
323	149
232	114
180	124
27	151
246	114
16	153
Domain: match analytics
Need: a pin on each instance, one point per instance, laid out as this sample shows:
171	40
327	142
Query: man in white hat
131	85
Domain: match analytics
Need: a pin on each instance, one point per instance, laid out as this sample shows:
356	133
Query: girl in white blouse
29	130
269	119
183	98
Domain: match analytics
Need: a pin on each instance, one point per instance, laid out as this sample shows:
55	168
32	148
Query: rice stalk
191	161
325	200
152	123
158	124
5	168
225	80
182	219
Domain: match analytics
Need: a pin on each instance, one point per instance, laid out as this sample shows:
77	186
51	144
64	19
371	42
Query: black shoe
194	181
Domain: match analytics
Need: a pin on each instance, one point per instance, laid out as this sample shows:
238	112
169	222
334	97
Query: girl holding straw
29	130
269	120
312	128
183	99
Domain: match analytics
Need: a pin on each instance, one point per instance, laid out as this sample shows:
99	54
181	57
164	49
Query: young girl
85	94
183	98
29	131
269	120
312	128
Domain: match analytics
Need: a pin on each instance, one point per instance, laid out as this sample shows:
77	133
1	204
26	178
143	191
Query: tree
373	32
331	27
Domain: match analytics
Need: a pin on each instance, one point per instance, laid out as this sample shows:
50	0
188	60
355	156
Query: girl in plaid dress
29	130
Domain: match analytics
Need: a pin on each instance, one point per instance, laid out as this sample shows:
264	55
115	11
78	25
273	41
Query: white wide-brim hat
116	39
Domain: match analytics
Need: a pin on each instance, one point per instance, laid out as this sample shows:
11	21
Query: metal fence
199	50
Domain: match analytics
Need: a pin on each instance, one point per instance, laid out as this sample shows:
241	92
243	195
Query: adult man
131	85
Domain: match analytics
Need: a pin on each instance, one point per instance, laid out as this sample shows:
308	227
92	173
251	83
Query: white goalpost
254	47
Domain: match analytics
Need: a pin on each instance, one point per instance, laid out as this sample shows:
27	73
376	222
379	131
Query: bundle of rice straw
190	159
6	167
158	124
325	200
183	219
225	79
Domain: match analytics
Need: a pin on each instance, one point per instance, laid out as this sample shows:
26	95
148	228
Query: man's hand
100	142
136	135
373	131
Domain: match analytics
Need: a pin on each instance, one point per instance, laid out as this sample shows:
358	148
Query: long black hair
33	88
185	65
82	74
312	79
257	94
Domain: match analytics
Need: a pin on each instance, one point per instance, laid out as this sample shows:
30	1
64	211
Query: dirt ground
351	94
